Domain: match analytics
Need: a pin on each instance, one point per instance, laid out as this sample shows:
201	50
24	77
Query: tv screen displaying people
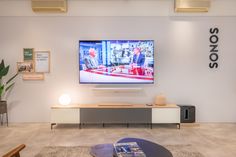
116	61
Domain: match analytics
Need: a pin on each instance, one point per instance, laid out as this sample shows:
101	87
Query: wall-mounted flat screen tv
116	61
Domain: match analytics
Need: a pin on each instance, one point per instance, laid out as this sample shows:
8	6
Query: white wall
181	47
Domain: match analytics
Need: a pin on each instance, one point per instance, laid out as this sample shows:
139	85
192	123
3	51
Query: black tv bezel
110	83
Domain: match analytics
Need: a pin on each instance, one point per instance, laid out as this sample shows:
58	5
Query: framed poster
33	76
42	61
28	54
25	67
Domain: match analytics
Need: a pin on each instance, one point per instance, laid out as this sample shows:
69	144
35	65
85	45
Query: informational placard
42	61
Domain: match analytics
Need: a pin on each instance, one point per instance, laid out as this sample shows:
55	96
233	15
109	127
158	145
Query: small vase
160	100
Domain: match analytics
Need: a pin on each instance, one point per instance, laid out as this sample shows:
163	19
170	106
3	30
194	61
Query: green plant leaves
2	65
1	90
4	71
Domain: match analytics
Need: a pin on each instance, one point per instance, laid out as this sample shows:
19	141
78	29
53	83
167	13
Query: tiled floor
212	140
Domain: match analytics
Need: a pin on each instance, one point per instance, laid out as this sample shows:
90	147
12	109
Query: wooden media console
115	113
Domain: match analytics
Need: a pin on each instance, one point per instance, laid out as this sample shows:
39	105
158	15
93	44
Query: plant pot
3	110
3	107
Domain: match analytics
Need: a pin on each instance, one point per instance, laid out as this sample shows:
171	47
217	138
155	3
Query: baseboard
189	124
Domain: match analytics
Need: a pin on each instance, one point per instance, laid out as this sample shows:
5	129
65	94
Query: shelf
117	90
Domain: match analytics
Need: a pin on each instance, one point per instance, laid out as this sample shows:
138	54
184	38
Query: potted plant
4	86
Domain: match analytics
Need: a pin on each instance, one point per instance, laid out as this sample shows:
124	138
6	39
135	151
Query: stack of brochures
129	149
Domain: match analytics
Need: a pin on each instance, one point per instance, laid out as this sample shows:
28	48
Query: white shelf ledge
117	90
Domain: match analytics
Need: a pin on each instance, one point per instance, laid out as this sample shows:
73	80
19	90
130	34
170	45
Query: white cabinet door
166	115
65	115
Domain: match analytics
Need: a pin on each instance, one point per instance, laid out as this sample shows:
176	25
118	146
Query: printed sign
42	61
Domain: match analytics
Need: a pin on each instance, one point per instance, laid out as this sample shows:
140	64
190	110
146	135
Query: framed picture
25	67
42	61
33	76
28	54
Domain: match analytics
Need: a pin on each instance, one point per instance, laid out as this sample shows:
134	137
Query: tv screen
116	62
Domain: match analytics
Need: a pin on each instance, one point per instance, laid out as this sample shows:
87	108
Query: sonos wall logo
214	56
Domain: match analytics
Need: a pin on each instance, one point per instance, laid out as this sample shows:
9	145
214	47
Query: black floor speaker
187	114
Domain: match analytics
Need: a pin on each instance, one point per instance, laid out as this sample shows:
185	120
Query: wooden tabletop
113	105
